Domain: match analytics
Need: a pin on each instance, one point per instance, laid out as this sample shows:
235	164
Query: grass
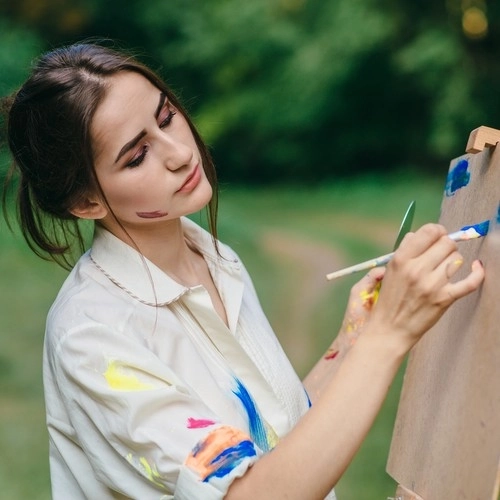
356	219
27	288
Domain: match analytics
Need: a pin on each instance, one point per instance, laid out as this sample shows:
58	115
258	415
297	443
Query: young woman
163	378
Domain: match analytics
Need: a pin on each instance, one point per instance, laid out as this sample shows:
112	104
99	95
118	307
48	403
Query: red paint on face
151	215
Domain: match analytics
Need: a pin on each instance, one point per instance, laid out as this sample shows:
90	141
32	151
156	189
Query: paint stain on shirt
220	452
262	434
120	378
148	470
458	177
199	423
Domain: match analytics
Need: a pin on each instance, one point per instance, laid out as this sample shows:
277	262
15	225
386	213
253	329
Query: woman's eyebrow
163	97
130	144
142	133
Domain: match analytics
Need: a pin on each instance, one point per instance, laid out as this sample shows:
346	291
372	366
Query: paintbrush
464	234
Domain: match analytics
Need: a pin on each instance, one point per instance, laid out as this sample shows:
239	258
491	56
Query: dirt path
310	261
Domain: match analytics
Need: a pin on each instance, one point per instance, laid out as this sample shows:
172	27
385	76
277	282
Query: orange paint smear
201	459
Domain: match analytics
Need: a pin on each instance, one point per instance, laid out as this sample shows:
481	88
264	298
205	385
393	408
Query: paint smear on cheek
458	177
151	215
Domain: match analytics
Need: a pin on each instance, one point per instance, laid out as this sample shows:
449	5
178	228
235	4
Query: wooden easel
446	439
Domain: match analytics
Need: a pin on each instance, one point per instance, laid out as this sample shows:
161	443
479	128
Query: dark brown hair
48	132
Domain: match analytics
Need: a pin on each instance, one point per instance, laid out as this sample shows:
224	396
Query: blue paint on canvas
458	177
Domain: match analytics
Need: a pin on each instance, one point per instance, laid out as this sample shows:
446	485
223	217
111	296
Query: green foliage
273	76
297	90
435	61
308	90
18	46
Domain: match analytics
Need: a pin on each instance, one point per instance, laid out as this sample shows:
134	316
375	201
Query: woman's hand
364	295
417	288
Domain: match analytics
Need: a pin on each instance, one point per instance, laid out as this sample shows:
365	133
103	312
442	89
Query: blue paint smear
481	228
309	404
498	215
457	178
257	428
230	458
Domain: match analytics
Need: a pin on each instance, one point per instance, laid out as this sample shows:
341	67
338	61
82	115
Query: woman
163	378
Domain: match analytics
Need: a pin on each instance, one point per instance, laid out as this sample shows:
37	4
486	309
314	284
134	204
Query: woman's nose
175	153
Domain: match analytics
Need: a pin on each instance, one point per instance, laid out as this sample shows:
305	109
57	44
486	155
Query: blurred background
325	118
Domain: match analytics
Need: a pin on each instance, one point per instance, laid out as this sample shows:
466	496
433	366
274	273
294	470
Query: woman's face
146	158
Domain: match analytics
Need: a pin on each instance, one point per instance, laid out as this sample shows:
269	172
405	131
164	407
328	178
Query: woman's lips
191	182
151	215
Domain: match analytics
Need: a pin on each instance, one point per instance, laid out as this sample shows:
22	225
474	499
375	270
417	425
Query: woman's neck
166	247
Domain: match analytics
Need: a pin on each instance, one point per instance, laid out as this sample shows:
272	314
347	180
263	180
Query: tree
309	90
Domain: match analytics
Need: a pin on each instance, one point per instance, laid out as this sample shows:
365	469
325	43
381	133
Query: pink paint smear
199	423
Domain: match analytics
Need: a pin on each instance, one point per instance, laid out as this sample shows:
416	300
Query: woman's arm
362	298
309	461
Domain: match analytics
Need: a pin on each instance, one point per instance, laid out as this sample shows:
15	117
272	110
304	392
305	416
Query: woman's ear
89	208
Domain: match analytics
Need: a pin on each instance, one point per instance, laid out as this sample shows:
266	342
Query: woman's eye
166	121
137	160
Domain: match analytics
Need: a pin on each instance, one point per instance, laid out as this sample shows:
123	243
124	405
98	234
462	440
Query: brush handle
462	235
362	266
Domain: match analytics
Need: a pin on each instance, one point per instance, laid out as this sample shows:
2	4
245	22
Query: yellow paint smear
369	299
272	437
148	470
151	472
117	377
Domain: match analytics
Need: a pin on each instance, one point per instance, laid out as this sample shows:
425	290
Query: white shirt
148	393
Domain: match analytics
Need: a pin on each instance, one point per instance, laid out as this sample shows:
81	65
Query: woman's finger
454	291
414	244
450	265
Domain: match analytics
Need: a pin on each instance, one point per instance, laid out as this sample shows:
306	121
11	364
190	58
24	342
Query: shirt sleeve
142	429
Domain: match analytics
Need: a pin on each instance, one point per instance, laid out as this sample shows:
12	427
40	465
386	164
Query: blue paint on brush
482	228
457	178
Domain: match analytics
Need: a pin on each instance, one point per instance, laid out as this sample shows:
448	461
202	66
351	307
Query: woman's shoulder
83	290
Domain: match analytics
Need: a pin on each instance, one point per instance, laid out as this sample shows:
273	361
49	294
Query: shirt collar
142	279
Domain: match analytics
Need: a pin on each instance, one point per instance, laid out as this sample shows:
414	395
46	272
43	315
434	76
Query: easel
446	440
